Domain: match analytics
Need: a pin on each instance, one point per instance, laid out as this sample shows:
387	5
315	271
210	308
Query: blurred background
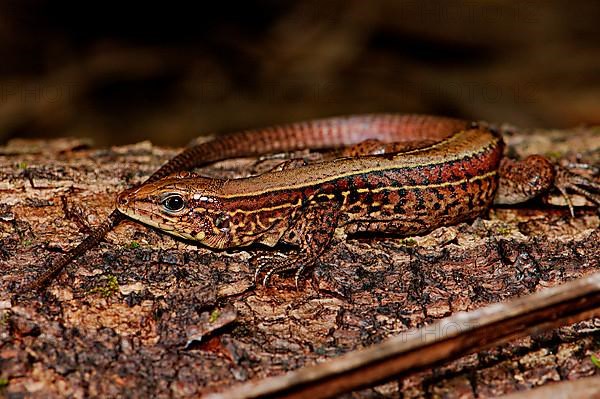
121	72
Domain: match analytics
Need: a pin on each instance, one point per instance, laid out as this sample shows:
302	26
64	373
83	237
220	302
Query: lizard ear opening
222	222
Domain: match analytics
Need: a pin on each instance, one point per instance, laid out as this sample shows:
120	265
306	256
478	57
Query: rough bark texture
148	315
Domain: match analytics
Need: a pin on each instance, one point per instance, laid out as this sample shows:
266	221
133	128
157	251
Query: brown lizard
405	175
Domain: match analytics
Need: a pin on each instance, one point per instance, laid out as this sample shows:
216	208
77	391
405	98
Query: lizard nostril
122	200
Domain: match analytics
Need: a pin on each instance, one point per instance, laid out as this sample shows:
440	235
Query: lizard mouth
130	205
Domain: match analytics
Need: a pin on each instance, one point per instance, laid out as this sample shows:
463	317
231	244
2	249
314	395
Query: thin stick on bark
448	339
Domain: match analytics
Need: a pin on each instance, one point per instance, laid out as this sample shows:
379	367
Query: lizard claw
260	264
270	263
278	263
268	275
298	275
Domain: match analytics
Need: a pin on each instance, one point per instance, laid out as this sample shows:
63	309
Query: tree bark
145	314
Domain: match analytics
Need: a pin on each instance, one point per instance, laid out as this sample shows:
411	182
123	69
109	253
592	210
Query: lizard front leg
311	233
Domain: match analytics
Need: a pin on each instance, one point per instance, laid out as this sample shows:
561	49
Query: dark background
125	72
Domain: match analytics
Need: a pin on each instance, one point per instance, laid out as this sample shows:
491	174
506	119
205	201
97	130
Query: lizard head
183	205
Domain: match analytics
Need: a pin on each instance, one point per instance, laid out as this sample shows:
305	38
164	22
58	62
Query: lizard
401	174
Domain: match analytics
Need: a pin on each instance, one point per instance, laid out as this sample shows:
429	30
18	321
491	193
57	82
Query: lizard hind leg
525	179
567	180
311	233
535	175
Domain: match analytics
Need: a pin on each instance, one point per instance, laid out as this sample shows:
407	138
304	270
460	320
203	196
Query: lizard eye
173	203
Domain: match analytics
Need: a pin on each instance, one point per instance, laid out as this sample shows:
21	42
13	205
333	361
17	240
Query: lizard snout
123	200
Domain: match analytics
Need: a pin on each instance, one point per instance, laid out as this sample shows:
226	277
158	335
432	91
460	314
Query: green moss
107	290
553	155
22	165
409	241
27	242
134	245
3	382
504	230
214	316
595	360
